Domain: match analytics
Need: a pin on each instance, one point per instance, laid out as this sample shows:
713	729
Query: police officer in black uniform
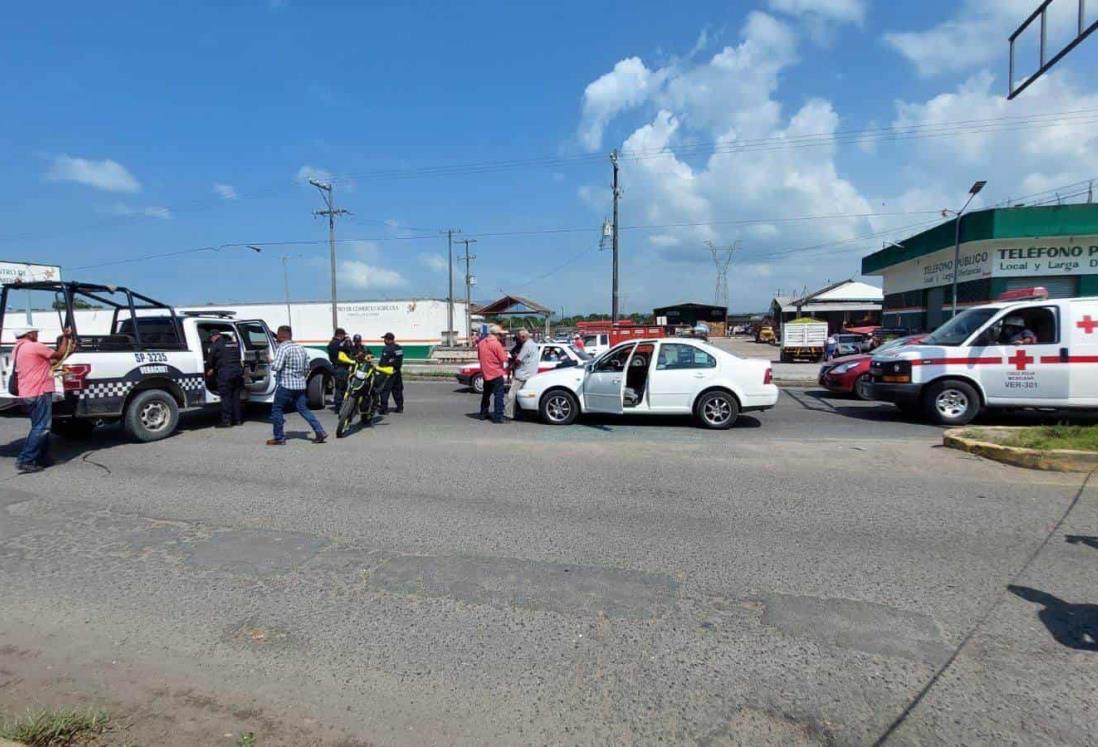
392	355
358	350
223	362
340	370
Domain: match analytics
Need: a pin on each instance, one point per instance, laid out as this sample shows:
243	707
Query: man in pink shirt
493	363
31	361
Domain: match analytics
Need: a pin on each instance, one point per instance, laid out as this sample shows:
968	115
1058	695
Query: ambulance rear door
1081	333
1023	374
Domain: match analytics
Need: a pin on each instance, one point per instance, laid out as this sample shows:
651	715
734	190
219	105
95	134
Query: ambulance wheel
951	402
151	415
478	384
314	391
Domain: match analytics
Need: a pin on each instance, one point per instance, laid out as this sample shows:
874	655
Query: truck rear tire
951	402
151	415
315	391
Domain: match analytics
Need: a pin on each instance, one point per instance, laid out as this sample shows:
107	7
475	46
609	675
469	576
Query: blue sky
138	128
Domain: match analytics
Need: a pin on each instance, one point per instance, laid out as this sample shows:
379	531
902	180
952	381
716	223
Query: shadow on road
1082	539
1072	625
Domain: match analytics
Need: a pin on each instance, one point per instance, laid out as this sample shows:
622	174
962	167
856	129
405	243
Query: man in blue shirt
290	367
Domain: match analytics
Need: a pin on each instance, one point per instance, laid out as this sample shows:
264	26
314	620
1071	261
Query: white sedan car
657	377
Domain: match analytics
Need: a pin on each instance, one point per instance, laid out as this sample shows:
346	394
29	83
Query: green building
1001	249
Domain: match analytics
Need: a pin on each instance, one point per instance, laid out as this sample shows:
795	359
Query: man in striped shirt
290	366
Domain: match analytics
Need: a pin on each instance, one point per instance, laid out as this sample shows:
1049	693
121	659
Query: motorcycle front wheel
346	415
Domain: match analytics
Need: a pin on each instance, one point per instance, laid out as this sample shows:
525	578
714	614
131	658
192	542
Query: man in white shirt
524	367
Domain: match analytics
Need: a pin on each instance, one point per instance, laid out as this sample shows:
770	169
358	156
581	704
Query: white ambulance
1025	351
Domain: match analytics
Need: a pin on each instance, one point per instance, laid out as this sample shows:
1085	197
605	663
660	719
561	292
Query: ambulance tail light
1039	293
896	372
768	377
74	375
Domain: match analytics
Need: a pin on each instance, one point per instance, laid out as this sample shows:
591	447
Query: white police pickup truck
136	360
1025	351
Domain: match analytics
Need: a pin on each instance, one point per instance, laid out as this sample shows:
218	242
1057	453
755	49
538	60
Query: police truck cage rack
137	322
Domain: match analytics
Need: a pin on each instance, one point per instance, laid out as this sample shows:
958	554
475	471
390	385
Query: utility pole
469	280
617	194
286	288
332	213
450	293
722	257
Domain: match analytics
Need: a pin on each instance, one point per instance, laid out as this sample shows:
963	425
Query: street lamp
285	281
975	190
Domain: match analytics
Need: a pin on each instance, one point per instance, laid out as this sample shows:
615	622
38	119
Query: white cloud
153	211
364	249
1037	159
624	87
307	172
434	262
976	36
728	98
368	277
225	191
106	174
840	11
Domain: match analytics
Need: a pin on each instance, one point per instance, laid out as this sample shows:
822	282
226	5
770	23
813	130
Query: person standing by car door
223	362
392	355
290	365
340	370
34	385
524	367
493	362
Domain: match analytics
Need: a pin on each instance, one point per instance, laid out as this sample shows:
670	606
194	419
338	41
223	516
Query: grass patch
53	727
1045	437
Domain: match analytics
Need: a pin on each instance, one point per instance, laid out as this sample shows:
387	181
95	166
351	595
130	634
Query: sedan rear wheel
717	410
478	384
559	407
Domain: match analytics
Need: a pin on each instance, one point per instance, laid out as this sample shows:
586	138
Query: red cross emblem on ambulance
1020	360
1087	324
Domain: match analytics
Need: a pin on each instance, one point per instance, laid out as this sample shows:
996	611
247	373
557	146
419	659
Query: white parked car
551	355
657	377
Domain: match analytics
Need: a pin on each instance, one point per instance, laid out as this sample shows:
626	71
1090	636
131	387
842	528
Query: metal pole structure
468	284
617	193
975	190
450	292
286	290
331	213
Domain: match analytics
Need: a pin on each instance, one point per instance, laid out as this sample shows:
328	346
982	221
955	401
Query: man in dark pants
223	362
392	355
340	370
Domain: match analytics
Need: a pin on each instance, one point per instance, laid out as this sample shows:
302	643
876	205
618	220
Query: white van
1024	351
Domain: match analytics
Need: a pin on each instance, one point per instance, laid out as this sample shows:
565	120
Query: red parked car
847	375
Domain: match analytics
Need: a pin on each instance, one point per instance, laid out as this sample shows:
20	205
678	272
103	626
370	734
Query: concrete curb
1056	460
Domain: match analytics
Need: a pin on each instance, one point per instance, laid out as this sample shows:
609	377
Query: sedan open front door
605	382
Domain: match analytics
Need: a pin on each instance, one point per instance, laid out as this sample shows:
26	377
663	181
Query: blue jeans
295	397
40	410
493	390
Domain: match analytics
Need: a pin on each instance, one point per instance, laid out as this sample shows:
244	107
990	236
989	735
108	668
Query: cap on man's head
495	329
341	331
215	332
22	332
388	336
357	338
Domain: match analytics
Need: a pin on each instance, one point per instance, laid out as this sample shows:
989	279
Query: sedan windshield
960	328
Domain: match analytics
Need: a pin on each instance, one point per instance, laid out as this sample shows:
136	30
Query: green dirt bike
363	397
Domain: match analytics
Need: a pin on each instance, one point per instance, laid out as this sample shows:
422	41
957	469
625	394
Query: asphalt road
799	579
